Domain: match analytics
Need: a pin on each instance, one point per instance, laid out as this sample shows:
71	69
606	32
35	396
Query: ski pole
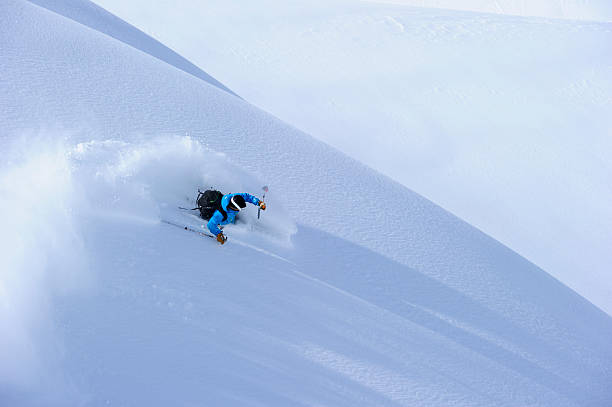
265	189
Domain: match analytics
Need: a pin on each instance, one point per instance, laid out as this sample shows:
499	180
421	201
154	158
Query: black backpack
209	202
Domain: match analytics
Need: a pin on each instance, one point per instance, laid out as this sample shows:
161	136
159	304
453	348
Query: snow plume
42	256
137	179
49	193
146	180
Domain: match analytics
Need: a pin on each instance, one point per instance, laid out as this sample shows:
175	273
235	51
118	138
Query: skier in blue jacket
231	205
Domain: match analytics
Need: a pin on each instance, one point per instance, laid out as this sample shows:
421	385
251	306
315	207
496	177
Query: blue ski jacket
217	218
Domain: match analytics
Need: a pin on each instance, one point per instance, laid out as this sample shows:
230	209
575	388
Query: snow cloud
48	191
42	256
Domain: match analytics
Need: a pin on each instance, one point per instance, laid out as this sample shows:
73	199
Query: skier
231	204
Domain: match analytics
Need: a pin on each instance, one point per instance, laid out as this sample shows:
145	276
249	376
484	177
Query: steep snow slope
344	305
499	119
91	15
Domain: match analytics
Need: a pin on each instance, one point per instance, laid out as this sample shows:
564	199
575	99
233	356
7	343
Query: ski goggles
234	205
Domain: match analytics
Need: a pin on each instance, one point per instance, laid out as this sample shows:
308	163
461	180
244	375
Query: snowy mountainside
502	120
95	17
325	301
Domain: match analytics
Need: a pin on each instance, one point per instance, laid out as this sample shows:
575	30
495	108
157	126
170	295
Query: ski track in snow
313	305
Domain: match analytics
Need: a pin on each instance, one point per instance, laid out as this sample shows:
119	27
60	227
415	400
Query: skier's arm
214	222
250	198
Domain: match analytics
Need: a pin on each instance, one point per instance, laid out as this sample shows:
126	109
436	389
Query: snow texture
327	300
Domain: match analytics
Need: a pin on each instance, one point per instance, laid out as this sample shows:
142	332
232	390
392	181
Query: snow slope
95	17
316	304
597	10
501	120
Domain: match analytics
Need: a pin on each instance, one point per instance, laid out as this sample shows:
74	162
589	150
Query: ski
189	229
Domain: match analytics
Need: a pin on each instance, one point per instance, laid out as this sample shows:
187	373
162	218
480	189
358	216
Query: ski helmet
237	203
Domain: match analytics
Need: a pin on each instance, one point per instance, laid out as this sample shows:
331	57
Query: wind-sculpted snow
341	298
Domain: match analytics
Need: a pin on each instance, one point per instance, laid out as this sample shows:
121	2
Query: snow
502	120
598	10
95	17
324	301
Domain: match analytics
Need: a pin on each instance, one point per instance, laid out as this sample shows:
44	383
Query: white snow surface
597	10
502	120
95	17
326	300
